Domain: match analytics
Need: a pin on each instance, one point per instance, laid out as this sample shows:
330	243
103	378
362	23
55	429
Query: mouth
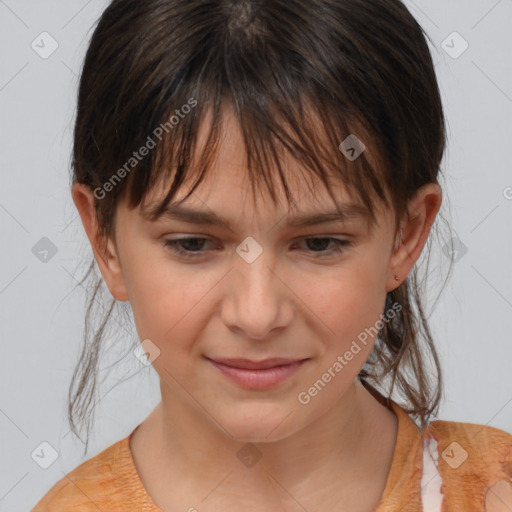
247	364
258	374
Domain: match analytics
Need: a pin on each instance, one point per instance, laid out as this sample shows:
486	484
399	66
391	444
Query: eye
319	244
191	242
190	247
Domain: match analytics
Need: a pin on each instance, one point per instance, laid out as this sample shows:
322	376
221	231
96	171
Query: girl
280	323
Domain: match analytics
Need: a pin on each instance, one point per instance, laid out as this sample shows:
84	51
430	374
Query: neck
349	441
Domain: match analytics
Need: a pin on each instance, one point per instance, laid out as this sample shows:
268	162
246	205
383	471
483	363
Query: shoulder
475	464
96	484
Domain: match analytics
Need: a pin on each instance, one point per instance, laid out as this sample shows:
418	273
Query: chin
260	426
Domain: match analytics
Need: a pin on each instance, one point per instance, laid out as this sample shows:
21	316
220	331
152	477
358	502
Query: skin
290	302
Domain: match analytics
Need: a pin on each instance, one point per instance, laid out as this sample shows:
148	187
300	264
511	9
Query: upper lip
256	365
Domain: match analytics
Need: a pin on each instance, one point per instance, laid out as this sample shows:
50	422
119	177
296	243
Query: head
247	111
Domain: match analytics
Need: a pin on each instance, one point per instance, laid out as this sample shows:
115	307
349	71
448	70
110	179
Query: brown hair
286	68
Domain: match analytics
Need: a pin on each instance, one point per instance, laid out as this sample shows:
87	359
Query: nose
258	301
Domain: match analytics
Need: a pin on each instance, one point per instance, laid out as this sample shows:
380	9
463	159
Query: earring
396	277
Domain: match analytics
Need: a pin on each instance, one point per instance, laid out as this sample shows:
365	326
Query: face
261	288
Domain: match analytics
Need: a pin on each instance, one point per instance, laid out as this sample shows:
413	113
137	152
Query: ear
414	231
105	250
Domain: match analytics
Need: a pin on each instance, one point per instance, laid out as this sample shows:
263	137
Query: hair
300	77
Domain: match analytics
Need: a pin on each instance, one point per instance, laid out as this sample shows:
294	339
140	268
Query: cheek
167	300
345	303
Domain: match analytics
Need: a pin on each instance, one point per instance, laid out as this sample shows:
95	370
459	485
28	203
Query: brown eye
319	244
187	247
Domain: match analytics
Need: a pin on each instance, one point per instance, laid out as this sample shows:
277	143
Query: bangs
304	135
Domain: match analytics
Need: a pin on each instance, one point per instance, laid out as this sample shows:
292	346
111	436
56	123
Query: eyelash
173	245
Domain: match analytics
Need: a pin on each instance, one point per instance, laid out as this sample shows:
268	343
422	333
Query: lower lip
259	379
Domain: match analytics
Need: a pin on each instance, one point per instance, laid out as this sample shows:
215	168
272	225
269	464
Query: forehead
224	201
227	188
229	170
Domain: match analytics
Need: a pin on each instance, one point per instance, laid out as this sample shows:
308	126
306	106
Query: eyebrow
201	217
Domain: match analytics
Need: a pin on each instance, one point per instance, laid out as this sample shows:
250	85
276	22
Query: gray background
41	310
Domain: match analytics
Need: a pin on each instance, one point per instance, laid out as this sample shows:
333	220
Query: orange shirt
447	467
